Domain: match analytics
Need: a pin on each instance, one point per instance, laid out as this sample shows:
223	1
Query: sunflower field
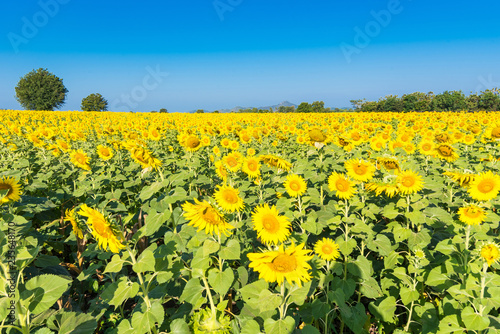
249	223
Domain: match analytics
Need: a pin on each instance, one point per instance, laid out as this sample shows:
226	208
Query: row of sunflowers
249	223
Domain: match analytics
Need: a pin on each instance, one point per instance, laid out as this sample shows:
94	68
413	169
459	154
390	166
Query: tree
40	90
163	110
94	102
489	100
449	101
304	107
318	106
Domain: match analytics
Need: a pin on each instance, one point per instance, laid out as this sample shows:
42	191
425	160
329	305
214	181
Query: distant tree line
304	107
488	100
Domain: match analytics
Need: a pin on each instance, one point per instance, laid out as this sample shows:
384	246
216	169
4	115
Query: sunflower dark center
485	186
6	187
284	263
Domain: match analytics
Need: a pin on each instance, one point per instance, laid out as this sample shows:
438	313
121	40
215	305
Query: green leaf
73	323
154	222
390	211
200	263
149	191
253	290
231	251
125	327
308	329
146	262
450	324
118	292
392	260
43	261
345	247
437	278
192	291
144	320
446	247
221	281
285	326
250	327
381	244
115	265
43	331
473	320
370	288
408	295
179	326
298	295
43	291
385	309
362	268
209	247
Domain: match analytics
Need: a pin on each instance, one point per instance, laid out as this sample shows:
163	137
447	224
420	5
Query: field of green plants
249	223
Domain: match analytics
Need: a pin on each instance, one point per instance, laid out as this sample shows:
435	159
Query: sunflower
390	189
490	253
234	145
251	152
192	143
327	249
102	229
228	198
295	185
203	215
270	226
216	150
471	215
359	170
426	147
221	170
143	157
389	164
275	161
463	180
485	186
80	159
342	185
72	218
446	152
104	152
251	167
276	266
153	134
409	182
232	161
316	135
225	142
9	190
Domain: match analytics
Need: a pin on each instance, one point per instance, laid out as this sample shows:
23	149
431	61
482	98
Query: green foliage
94	102
40	90
488	100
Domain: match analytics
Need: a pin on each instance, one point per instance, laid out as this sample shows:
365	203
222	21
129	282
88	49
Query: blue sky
186	55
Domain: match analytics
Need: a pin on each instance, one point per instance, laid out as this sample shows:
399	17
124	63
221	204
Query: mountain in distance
274	107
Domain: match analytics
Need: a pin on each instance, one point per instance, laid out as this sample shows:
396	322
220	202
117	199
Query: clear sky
185	55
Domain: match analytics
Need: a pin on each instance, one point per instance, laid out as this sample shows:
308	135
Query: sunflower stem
141	279
283	304
483	286
209	295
